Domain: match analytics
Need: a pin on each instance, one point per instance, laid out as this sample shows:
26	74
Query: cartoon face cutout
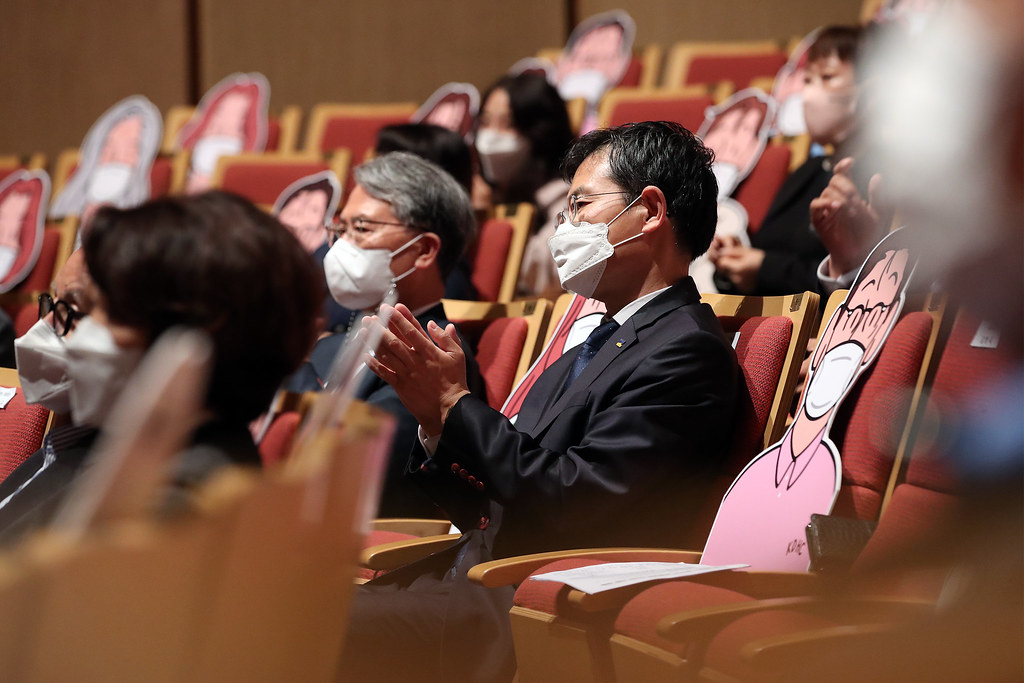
856	331
13	208
22	196
596	56
232	118
452	106
307	206
114	161
787	91
737	131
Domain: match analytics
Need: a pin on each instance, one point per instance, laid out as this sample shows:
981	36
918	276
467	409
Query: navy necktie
589	349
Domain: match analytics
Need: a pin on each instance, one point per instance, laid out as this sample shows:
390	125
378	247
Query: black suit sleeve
662	423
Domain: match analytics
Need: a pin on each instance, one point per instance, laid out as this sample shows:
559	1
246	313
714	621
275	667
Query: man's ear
654	202
429	248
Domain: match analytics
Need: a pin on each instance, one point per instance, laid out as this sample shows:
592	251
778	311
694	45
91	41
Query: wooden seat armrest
512	571
388	556
795	649
697	624
412	526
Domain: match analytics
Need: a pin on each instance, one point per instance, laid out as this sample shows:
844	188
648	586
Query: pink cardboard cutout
115	160
787	90
737	131
307	206
763	515
595	59
23	199
230	119
580	318
453	106
732	223
534	65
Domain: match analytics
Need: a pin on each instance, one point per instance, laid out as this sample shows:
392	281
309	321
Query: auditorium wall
64	63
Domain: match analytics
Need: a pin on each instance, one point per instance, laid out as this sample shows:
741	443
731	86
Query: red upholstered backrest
634	72
21	432
39	279
160	176
687	111
761	354
277	442
26	317
870	422
263	182
498	353
925	501
758	189
489	257
273	134
740	69
356	133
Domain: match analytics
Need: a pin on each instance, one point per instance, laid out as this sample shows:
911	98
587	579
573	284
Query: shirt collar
627	311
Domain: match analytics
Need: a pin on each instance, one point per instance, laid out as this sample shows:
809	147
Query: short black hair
668	156
444	147
218	263
844	42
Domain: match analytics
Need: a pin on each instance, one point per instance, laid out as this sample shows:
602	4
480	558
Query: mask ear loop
400	250
628	239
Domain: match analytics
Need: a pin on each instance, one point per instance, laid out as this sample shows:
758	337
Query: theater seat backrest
498	353
42	275
21	427
740	69
758	190
277	442
490	256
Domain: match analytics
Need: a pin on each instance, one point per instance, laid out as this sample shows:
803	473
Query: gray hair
424	196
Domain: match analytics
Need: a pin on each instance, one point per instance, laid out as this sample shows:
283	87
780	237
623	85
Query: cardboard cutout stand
307	206
230	119
23	199
763	515
737	131
115	161
595	59
453	106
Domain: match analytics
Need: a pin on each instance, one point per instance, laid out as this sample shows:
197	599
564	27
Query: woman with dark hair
522	134
213	262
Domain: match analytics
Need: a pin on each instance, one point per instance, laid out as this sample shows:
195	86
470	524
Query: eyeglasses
64	314
357	227
573	213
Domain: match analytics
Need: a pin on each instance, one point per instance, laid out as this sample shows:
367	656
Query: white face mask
108	182
829	116
790	119
589	84
581	251
502	154
211	148
42	360
832	378
727	176
7	257
98	369
359	278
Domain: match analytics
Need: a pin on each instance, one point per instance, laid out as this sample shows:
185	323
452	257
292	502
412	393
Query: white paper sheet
602	577
6	394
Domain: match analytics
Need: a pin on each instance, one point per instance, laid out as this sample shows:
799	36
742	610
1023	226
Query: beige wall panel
669	21
64	63
370	51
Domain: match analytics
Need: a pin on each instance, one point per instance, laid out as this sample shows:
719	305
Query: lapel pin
620	343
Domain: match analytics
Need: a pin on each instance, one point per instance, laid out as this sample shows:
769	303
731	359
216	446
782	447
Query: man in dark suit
405	225
613	444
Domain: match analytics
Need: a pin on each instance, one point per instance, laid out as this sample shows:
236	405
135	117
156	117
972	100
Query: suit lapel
682	293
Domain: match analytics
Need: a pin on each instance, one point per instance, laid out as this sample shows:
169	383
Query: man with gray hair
405	225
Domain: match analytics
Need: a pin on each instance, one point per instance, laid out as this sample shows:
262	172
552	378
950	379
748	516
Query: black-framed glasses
64	314
357	227
574	202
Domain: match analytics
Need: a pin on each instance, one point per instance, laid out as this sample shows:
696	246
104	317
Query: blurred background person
523	133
